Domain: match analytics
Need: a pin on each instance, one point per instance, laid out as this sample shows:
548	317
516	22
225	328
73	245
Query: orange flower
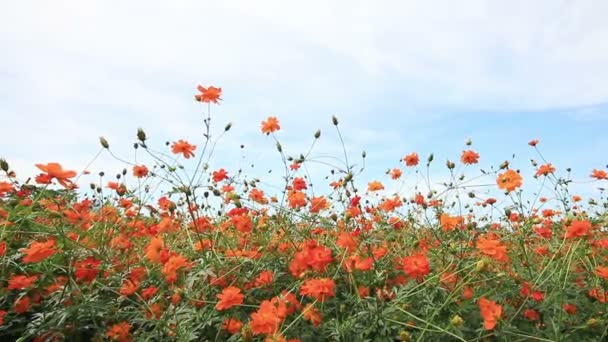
411	159
416	266
265	278
469	157
602	271
599	174
296	199
509	180
38	251
312	314
20	282
319	289
55	170
229	297
140	171
396	173
129	287
152	251
492	247
375	186
578	228
232	325
533	142
5	187
545	169
490	312
449	223
87	269
318	204
270	125
266	320
183	147
172	265
208	95
22	305
220	175
119	332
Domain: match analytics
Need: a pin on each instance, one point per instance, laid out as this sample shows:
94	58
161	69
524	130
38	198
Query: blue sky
401	76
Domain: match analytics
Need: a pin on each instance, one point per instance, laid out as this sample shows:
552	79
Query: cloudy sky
402	76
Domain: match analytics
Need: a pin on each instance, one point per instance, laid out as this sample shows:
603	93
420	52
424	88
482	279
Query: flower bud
104	143
481	265
334	120
4	165
317	134
228	126
450	165
457	321
279	147
141	135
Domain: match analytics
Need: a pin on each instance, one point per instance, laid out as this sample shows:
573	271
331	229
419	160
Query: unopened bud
334	120
317	134
450	165
481	265
141	135
431	158
4	165
457	321
363	154
279	147
228	126
104	143
504	165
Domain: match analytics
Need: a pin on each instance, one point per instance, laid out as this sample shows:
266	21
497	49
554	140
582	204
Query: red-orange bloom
509	180
119	332
469	157
578	228
602	271
545	169
172	265
319	289
396	173
55	170
492	247
38	251
296	199
449	223
416	266
208	95
229	297
153	249
411	159
183	147
312	314
317	204
270	125
220	175
266	320
140	171
232	325
20	282
599	174
87	269
375	186
490	312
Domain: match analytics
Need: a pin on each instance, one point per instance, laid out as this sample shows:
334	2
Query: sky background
401	76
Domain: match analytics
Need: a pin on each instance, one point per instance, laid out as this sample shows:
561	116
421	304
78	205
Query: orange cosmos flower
220	175
602	271
318	204
490	312
509	180
375	186
411	159
533	142
140	171
599	174
55	170
38	251
416	266
319	289
312	314
270	125
232	325
545	169
129	287
119	332
492	247
22	305
265	278
449	223
87	269
266	320
208	95
396	173
296	199
172	265
5	187
20	282
469	157
578	228
229	297
183	147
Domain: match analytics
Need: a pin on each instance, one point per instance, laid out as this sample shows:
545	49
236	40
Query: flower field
219	257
